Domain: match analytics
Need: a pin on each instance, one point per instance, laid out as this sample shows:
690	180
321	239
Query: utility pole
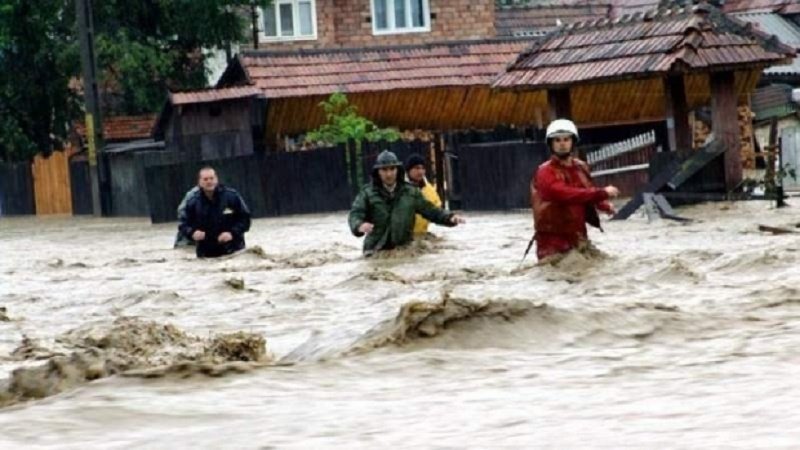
91	93
254	20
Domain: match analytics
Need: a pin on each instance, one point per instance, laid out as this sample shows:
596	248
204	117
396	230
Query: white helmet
561	127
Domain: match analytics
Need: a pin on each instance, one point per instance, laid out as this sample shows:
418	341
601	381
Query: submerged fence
472	171
273	184
16	189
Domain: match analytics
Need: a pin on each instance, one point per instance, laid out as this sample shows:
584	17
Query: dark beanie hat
414	160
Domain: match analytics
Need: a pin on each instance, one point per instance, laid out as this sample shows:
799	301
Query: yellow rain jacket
430	194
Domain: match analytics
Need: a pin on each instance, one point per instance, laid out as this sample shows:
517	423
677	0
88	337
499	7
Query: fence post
438	156
352	167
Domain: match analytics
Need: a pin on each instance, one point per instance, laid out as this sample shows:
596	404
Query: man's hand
225	237
457	220
612	191
199	235
611	212
366	228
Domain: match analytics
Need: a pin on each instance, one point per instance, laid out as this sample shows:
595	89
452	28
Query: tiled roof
122	128
696	39
791	8
533	20
786	31
213	95
322	72
773	101
622	7
731	6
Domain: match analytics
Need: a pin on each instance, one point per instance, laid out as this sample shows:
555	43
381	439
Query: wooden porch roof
692	40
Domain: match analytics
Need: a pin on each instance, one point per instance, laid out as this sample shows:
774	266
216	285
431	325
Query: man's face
388	175
417	173
562	146
207	180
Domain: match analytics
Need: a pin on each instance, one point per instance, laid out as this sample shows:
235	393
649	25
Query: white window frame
262	35
390	18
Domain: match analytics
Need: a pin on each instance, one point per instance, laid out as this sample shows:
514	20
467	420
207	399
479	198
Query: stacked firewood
417	135
700	131
748	149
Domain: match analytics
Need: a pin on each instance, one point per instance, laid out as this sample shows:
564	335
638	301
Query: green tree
37	59
148	47
345	124
145	47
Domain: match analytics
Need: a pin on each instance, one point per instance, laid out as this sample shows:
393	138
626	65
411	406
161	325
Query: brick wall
348	23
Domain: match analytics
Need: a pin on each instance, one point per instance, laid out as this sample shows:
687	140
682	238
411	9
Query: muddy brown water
681	336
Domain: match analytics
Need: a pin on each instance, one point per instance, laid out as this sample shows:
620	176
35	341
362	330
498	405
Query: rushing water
682	336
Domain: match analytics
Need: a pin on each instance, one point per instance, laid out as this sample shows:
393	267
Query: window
287	20
400	16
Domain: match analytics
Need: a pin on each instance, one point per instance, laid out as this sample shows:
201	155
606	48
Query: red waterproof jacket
560	196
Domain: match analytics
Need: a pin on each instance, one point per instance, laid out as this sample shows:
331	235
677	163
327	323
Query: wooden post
91	93
352	167
771	150
254	22
677	112
725	125
438	158
558	102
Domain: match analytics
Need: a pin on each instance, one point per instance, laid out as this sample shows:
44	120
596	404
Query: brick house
322	24
314	24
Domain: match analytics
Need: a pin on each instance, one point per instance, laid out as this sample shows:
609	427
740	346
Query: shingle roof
635	6
322	72
773	101
696	39
786	31
791	8
536	20
731	6
122	128
213	95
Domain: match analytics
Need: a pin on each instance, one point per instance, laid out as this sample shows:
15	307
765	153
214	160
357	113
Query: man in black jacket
216	217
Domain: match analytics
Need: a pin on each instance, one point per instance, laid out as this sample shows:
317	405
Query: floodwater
681	336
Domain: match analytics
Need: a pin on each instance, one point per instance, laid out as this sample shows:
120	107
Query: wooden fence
497	176
273	184
52	185
624	164
16	190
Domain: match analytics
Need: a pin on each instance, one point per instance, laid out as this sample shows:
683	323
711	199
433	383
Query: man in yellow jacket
415	170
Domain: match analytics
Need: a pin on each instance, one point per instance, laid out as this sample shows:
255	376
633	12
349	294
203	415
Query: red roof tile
122	128
622	7
696	40
529	20
213	95
322	72
753	5
791	8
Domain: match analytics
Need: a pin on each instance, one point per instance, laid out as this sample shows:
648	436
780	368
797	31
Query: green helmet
386	159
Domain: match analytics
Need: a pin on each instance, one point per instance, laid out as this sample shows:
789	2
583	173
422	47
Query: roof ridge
211	88
383	48
528	6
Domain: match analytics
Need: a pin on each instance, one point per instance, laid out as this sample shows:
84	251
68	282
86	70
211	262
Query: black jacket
226	212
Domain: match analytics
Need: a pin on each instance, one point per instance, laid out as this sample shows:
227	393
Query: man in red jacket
563	196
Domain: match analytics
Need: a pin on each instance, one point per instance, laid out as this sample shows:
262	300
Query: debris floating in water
235	283
775	230
131	347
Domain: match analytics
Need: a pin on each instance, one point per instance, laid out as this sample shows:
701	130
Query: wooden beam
558	103
725	125
657	183
677	113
